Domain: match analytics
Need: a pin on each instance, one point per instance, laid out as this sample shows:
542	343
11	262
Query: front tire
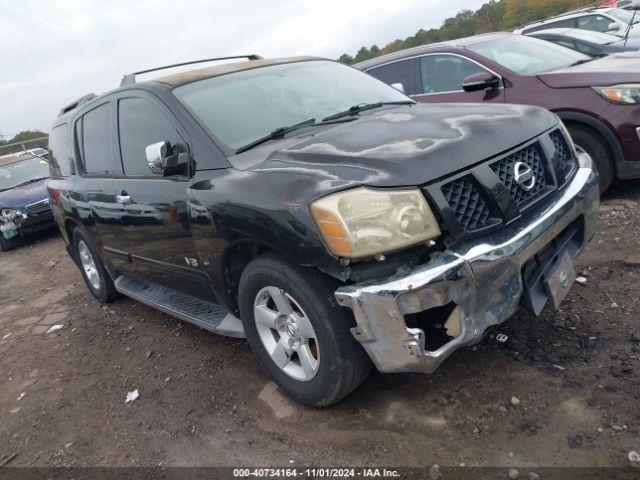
7	244
298	332
592	143
92	269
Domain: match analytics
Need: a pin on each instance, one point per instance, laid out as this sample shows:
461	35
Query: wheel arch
235	259
579	118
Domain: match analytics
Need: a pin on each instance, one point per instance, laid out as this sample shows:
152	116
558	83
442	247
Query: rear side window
96	141
141	123
59	164
404	72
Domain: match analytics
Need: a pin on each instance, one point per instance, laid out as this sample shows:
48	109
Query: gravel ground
563	390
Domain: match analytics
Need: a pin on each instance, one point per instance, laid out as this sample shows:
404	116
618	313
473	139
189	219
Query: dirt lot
573	375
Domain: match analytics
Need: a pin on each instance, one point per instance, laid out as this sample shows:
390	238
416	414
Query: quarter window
404	72
59	151
141	123
96	141
446	73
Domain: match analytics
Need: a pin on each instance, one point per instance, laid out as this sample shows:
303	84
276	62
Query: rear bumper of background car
478	283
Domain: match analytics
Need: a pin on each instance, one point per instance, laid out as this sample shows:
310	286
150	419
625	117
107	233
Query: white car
606	20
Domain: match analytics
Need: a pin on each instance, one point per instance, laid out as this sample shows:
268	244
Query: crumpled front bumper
482	277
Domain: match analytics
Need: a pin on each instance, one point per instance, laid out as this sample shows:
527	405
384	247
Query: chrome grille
37	208
469	208
504	169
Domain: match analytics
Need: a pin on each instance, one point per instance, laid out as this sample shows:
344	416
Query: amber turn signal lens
333	232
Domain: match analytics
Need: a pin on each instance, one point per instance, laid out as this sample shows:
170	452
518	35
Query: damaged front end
10	219
413	320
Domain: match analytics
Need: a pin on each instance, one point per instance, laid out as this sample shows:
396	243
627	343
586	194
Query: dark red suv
598	100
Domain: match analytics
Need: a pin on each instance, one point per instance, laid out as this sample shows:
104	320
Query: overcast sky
54	51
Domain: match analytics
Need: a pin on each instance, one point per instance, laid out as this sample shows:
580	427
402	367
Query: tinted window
59	151
597	23
446	73
141	123
96	141
404	72
566	23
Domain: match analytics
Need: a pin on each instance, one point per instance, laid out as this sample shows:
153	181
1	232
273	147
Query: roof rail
75	104
130	78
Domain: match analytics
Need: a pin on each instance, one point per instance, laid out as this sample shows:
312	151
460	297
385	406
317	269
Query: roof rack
130	78
75	104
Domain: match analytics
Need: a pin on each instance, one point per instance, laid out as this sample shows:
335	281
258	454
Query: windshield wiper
355	109
282	131
580	62
277	133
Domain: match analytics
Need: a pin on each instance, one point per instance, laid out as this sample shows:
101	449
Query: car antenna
626	34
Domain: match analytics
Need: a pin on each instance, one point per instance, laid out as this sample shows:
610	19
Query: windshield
242	107
527	55
593	37
623	15
22	172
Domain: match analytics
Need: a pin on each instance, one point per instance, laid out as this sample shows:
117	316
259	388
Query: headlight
628	94
363	222
8	214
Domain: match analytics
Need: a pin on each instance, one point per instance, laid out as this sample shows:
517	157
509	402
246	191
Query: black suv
320	213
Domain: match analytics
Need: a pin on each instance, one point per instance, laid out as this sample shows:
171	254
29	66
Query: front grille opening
432	323
467	204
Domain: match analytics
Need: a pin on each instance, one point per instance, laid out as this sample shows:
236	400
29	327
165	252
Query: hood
24	195
621	67
406	145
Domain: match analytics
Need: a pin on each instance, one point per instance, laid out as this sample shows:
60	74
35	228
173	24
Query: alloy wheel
286	333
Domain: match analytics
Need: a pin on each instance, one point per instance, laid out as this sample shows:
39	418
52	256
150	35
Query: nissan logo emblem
524	176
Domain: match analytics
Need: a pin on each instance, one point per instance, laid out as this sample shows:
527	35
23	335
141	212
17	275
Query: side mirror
398	86
162	160
613	27
156	153
480	81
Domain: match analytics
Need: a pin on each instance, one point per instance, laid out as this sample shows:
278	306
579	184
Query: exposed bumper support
481	277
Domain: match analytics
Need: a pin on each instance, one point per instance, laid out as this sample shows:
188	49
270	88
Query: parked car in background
37	152
626	4
606	20
597	99
320	213
24	202
594	44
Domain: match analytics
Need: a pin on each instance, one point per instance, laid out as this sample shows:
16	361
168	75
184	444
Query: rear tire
95	276
593	143
338	363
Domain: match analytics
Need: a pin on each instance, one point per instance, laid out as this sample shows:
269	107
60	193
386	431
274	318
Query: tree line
494	15
24	136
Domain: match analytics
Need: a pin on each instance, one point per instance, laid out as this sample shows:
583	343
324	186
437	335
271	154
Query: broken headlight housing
364	222
8	214
627	94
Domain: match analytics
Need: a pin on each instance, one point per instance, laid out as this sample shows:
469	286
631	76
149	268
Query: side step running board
207	315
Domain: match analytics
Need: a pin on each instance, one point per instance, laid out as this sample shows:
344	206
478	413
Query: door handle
123	199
